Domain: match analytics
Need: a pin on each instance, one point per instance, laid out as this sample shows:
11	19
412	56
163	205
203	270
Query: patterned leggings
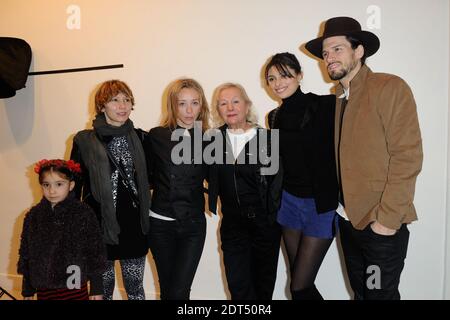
133	278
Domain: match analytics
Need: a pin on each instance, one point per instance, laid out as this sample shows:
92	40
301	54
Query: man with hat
378	155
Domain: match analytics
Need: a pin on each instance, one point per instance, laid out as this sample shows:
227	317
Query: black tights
305	256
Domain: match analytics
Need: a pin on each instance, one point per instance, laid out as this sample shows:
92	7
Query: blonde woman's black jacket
177	188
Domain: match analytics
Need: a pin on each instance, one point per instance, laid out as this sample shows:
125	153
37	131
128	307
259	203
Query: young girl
61	248
178	224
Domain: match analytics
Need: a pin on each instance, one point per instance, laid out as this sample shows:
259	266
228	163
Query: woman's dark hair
355	43
281	61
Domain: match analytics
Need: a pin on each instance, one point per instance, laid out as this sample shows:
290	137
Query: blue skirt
301	214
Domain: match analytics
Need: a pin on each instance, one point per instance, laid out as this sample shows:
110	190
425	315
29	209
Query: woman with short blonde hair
217	119
249	234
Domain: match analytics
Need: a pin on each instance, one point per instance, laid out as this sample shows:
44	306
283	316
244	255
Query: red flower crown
70	164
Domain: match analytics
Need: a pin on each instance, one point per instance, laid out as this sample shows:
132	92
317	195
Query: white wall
213	42
447	253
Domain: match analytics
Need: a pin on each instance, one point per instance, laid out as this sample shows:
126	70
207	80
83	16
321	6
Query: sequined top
118	147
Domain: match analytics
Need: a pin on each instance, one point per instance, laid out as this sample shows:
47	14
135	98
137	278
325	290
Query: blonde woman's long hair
170	117
217	119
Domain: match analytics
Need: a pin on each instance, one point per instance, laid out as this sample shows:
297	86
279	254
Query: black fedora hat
344	26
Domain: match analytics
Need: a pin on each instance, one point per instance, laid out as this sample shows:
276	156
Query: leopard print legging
133	277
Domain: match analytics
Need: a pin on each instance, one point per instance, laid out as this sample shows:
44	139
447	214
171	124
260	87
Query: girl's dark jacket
54	239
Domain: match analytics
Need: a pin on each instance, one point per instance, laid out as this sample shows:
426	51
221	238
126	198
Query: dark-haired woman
310	191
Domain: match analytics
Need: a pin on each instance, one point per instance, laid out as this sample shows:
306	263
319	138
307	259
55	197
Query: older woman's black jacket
268	187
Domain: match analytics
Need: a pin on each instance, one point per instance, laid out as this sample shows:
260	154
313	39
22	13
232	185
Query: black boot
310	293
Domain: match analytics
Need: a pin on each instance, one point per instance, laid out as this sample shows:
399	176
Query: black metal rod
3	291
112	66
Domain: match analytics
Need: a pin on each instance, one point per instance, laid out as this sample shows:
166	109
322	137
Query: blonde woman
250	235
177	220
